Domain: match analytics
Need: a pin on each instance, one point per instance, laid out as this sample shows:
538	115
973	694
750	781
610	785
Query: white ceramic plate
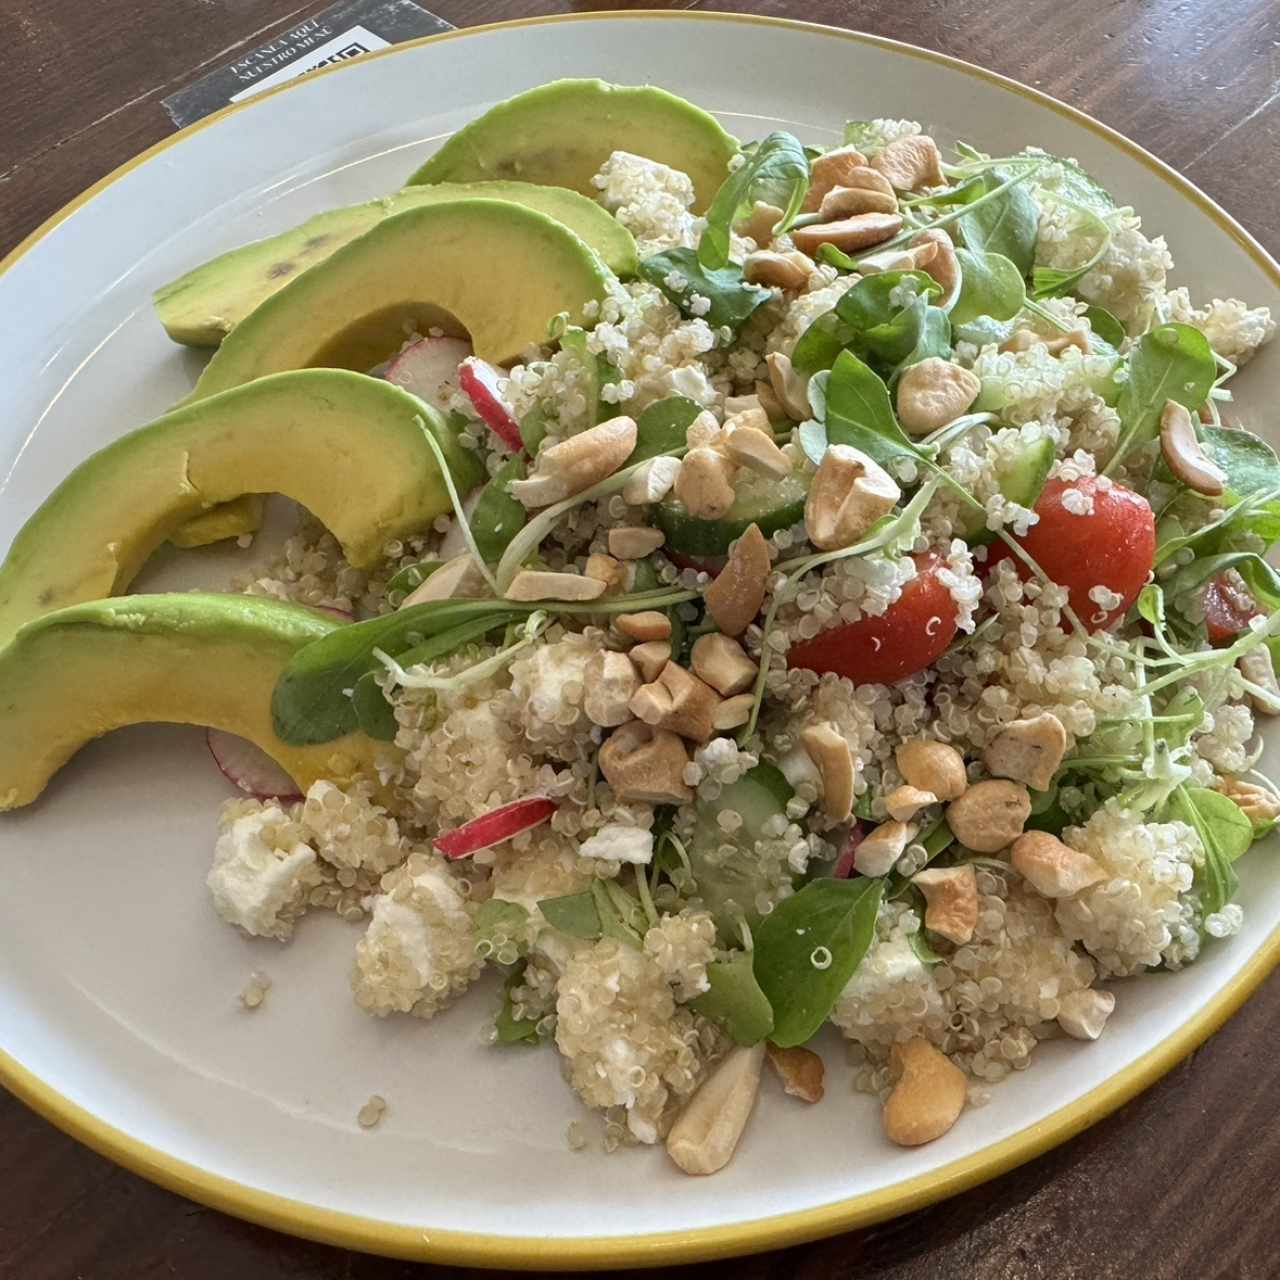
118	987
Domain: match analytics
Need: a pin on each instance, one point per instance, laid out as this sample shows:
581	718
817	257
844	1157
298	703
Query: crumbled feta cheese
617	843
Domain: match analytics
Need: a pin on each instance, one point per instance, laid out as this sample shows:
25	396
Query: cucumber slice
772	504
729	884
1020	477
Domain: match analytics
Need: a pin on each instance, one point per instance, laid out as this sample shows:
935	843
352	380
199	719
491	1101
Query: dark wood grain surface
1181	1183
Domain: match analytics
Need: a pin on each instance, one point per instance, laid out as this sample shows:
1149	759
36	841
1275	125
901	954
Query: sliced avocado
227	520
1020	477
183	658
200	308
563	133
498	271
352	449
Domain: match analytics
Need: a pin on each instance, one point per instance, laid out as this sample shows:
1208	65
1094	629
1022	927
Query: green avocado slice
352	449
200	308
183	658
495	270
563	132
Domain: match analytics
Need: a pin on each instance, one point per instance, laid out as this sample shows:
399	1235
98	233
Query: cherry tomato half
1111	545
908	637
1228	606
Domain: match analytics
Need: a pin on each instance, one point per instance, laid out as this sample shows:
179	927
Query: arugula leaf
533	429
1105	326
412	576
812	436
1076	184
661	427
574	913
1225	833
933	337
496	920
1172	362
1249	461
834	920
859	412
922	950
776	171
965	192
821	343
498	517
731	299
990	285
510	1029
735	1001
374	714
1005	224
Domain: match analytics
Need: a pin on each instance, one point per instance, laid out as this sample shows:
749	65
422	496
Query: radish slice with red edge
428	369
479	382
495	826
844	863
250	768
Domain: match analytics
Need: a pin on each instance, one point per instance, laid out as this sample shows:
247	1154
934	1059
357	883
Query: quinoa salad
855	612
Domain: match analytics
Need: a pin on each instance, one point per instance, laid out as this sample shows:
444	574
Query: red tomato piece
1228	606
908	637
1112	545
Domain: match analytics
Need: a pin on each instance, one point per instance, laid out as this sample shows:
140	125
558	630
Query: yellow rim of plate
477	1249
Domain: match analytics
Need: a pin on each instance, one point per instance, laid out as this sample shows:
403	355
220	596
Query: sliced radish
495	826
428	369
479	382
844	863
708	564
343	615
250	768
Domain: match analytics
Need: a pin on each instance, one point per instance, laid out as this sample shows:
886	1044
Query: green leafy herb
374	714
863	134
575	914
1004	223
808	948
684	279
1249	461
932	332
498	517
661	427
990	285
412	576
1076	185
497	921
859	412
1225	833
922	950
735	1001
1172	362
533	429
510	1029
1105	326
776	171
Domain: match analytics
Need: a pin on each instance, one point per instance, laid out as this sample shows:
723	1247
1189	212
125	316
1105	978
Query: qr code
352	50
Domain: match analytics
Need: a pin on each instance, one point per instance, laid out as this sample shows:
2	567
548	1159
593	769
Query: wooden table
1181	1182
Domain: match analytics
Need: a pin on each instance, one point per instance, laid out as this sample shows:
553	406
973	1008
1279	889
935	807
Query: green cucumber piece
729	886
772	504
1020	477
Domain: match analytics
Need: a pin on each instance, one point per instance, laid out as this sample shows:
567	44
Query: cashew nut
835	168
609	681
754	448
704	432
1258	804
790	387
788	270
933	766
735	597
1028	750
908	259
677	701
705	483
1083	1014
844	202
951	900
537	584
990	815
910	163
733	712
634	542
877	853
604	569
651	481
862	231
723	663
577	463
734	405
760	222
646	764
929	1096
649	625
944	266
903	803
649	658
706	1132
932	393
800	1070
769	402
459	578
849	493
828	750
1054	869
1185	455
